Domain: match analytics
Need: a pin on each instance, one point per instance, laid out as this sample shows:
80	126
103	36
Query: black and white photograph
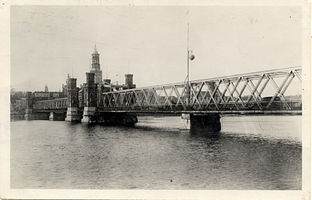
150	100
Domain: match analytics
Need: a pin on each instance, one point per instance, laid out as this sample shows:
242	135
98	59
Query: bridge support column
51	117
88	113
201	123
28	114
72	115
29	107
90	101
185	121
72	101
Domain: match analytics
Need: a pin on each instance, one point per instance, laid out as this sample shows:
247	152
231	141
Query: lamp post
190	56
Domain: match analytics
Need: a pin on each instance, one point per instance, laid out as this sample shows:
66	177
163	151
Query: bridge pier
201	123
72	115
51	117
28	114
90	101
72	101
29	107
88	113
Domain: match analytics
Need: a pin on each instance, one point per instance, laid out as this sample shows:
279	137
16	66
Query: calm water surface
251	152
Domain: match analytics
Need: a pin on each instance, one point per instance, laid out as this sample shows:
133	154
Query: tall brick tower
96	69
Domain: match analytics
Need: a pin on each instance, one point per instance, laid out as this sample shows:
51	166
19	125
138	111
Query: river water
250	153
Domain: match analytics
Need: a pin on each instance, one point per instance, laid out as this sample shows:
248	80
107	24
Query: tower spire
95	50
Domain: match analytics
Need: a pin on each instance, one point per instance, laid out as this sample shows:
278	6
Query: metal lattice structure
55	104
253	92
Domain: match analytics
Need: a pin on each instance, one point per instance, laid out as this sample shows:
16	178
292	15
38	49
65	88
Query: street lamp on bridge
190	56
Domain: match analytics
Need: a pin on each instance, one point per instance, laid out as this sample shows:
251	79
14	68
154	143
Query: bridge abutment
201	123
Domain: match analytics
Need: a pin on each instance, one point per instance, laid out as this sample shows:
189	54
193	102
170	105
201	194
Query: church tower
96	67
46	88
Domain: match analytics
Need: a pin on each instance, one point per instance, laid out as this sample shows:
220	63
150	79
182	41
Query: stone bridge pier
29	107
201	123
72	113
90	102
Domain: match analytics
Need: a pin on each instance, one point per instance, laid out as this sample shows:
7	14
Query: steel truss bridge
54	105
274	91
260	92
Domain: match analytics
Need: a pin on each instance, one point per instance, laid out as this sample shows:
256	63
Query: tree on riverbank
16	95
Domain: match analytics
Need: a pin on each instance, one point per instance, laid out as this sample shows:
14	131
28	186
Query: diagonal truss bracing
264	90
54	104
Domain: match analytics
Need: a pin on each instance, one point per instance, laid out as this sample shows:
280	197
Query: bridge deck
246	112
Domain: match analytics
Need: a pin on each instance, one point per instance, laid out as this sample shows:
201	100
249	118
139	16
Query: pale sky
48	42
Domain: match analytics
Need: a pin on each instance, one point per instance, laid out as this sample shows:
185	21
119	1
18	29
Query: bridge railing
266	90
54	104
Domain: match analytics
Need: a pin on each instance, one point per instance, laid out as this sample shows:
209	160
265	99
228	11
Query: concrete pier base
185	122
28	114
51	117
72	115
88	113
201	123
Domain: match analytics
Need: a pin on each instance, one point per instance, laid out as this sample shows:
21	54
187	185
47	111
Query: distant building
64	92
40	94
46	95
54	95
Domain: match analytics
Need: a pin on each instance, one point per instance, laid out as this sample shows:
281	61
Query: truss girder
280	88
253	95
54	104
240	92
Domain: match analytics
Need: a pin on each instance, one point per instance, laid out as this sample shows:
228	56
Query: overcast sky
48	42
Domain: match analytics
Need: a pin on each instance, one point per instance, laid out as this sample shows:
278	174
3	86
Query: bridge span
246	93
264	92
